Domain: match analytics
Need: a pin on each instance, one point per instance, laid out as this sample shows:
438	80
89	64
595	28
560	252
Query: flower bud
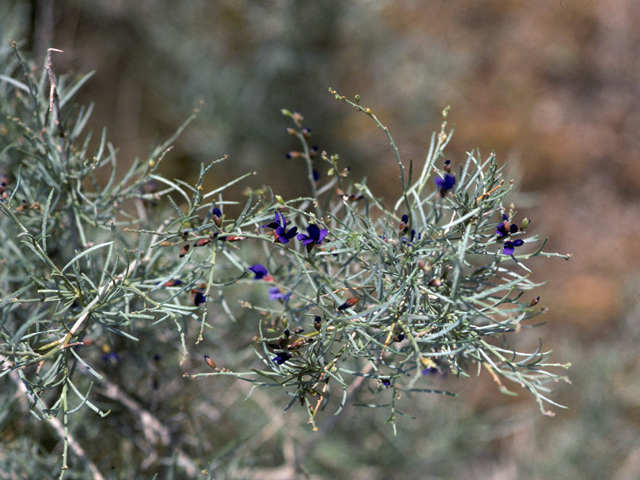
202	242
210	361
217	216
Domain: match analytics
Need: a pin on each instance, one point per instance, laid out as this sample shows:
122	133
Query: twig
54	99
57	427
154	431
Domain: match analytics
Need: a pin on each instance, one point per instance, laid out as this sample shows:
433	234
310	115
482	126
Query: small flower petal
508	248
281	358
445	184
199	298
276	294
259	270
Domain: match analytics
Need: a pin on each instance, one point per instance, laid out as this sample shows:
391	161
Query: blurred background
552	86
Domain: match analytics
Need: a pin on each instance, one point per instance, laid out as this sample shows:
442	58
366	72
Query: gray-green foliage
89	253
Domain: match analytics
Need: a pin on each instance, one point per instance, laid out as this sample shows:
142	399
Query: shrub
339	288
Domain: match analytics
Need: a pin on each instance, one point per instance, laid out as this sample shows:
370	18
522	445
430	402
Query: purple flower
505	228
280	229
315	237
111	358
445	184
428	370
217	216
199	298
316	176
261	272
509	246
276	294
281	358
413	236
404	223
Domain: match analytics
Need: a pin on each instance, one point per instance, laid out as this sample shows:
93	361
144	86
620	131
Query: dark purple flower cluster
314	236
504	230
